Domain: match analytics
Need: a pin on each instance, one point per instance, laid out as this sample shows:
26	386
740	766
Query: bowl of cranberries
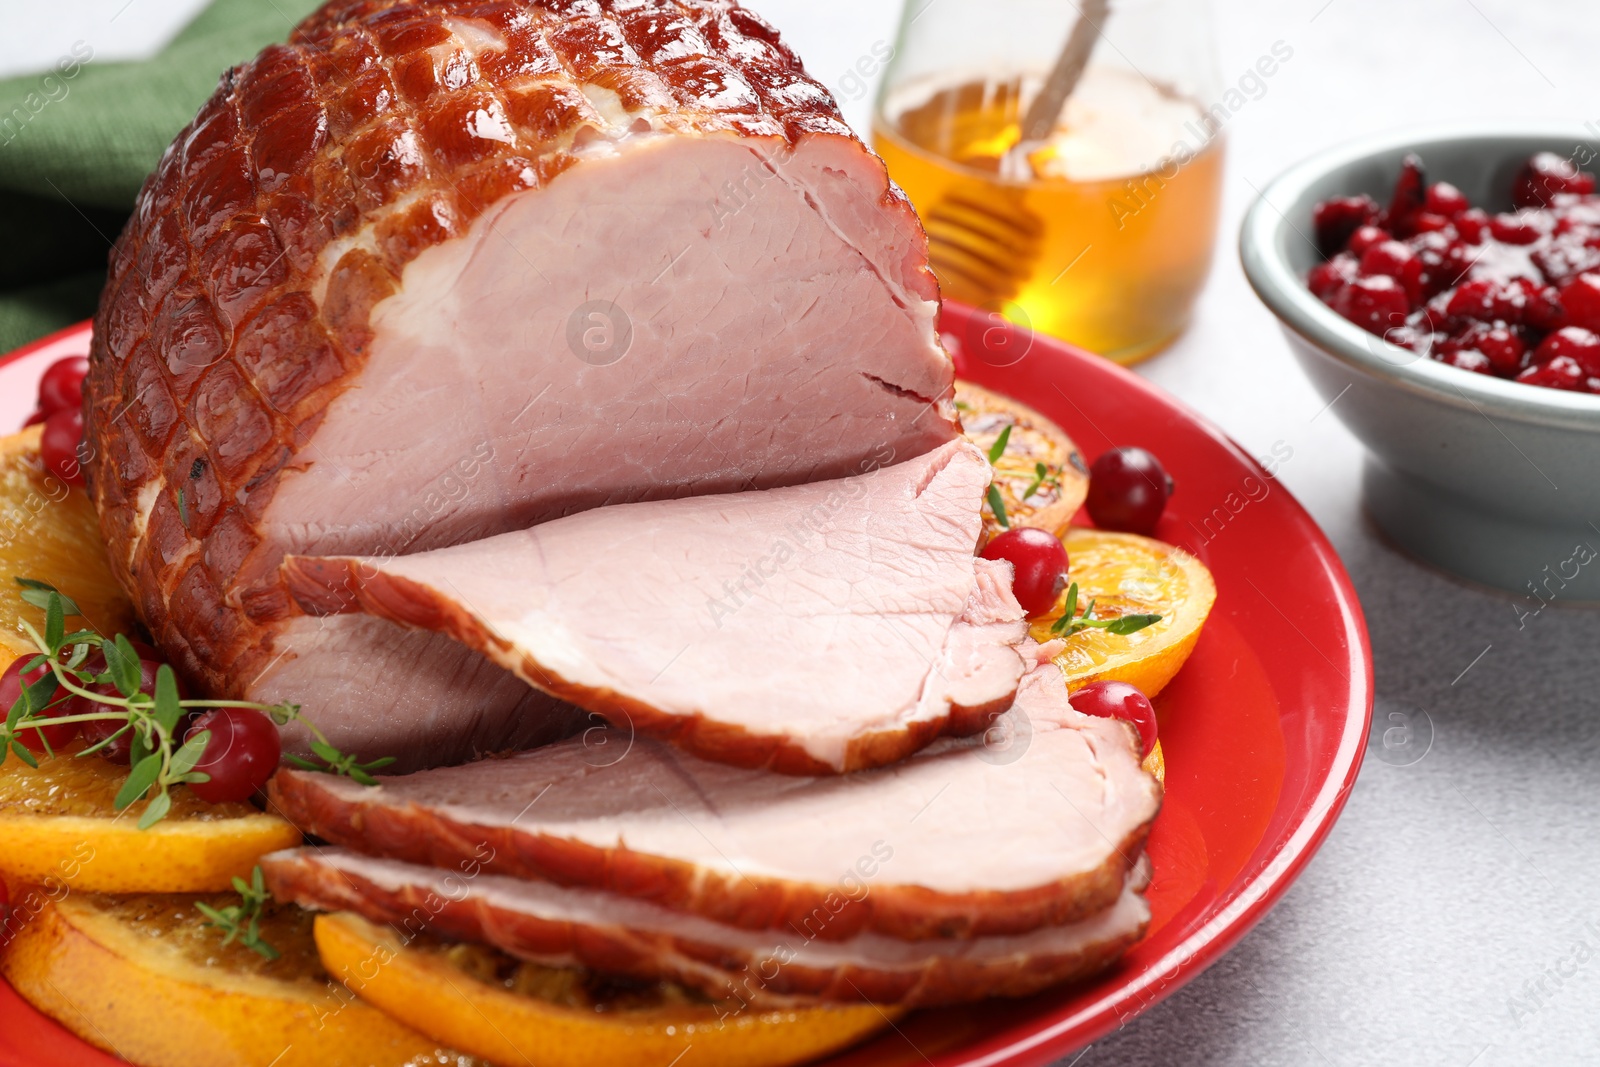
1441	288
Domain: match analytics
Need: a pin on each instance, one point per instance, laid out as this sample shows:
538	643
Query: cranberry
1336	218
1545	175
1468	359
97	731
1395	259
1563	372
1574	343
1039	565
1485	301
1442	198
1119	700
1541	305
1514	229
1365	238
1500	345
1327	278
1580	300
241	755
1375	304
62	385
58	447
11	683
1128	490
1427	222
1471	224
1408	196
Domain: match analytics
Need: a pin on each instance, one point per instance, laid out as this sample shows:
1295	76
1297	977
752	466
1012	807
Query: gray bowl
1492	480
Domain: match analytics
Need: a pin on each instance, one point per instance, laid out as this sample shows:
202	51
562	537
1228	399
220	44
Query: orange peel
421	984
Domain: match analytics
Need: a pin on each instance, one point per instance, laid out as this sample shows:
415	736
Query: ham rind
582	927
434	271
812	629
1037	823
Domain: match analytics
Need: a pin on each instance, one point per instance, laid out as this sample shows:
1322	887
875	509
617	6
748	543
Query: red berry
33	420
241	755
1541	308
58	447
11	683
1580	300
97	731
1546	175
1408	196
1327	278
1571	342
62	385
1364	238
1039	564
1486	301
1516	229
1471	224
1395	259
1128	490
1336	218
1375	304
1500	345
1468	359
1119	700
1445	199
1563	372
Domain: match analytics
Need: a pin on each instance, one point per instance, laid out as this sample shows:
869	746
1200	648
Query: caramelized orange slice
143	977
507	1011
1041	478
1126	574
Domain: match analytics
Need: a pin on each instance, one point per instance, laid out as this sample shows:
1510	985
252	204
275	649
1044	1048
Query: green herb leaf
139	745
140	779
303	763
242	921
55	623
998	506
38	594
23	754
118	672
160	804
185	758
167	709
998	449
1131	624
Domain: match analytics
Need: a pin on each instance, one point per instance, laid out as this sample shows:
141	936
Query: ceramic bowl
1492	480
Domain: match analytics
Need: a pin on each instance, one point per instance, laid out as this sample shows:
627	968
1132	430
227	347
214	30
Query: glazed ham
436	271
762	968
811	629
1036	824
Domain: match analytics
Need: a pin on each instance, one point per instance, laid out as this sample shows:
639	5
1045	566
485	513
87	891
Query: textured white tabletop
1453	916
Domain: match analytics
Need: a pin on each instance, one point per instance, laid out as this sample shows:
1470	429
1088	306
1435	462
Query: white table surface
1453	916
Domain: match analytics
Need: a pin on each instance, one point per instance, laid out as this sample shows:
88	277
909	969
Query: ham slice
581	927
431	272
1037	823
811	629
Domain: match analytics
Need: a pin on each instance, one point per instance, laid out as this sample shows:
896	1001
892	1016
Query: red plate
1263	730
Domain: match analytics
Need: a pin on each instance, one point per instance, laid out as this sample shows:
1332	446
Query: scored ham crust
1036	824
762	968
351	314
812	629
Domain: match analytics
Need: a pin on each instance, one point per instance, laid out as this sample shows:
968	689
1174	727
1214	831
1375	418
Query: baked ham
559	926
811	629
1036	824
436	271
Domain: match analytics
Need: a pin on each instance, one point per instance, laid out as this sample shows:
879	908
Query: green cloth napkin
76	143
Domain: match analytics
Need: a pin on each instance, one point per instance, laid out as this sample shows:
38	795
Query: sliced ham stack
975	868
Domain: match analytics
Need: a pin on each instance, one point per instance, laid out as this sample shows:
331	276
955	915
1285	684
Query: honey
1101	234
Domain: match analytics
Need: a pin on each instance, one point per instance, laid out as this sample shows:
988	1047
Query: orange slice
57	822
1047	500
1156	763
49	531
142	977
511	1012
1126	574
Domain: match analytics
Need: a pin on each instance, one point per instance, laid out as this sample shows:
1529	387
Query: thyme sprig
1071	622
1043	477
159	758
242	921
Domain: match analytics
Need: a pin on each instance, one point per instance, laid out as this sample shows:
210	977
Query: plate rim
1034	1044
